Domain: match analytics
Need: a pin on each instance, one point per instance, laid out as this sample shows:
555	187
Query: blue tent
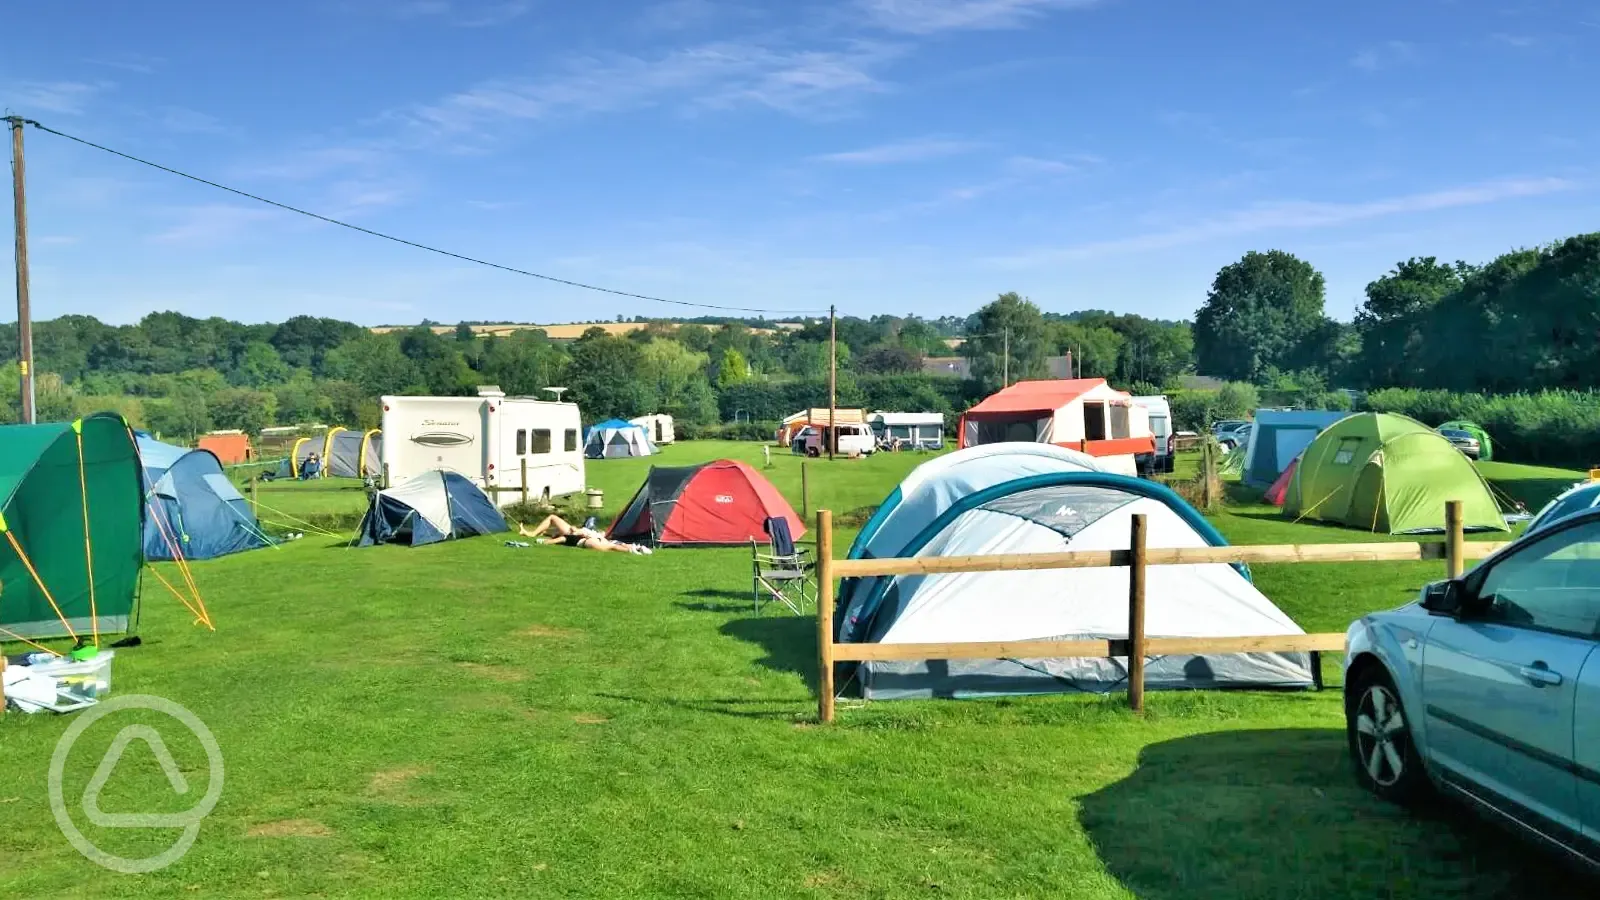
615	438
431	507
1278	437
191	509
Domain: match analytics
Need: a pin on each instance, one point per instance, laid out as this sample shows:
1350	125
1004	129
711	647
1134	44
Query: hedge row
1551	427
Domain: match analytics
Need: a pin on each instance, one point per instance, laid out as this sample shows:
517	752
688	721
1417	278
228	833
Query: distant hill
566	332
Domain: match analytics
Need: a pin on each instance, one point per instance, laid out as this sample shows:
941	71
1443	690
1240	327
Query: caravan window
1119	421
571	442
522	442
541	441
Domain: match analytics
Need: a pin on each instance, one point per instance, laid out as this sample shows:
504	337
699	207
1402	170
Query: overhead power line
415	244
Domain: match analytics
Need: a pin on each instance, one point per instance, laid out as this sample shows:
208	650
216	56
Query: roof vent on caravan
490	390
557	391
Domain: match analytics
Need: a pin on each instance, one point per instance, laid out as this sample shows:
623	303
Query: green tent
1485	446
1385	472
70	505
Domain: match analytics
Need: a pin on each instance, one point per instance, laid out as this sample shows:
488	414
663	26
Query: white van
854	440
1161	427
486	438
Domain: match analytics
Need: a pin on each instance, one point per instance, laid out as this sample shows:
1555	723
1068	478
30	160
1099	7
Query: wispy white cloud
1385	55
676	15
64	97
315	162
1514	40
463	15
1040	166
1302	215
129	62
932	16
188	121
716	75
492	204
210	223
53	240
914	150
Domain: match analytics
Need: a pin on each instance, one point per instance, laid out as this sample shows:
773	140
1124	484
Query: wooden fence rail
1454	550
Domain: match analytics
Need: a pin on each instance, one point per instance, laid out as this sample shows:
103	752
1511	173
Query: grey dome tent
432	507
615	438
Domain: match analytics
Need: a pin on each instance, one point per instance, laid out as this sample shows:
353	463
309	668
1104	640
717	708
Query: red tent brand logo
442	438
188	820
724	498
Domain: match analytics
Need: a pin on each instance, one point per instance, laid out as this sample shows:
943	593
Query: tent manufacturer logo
188	820
724	498
442	438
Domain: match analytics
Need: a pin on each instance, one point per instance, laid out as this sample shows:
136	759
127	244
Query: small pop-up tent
1277	437
1070	508
191	509
1280	488
615	438
1385	472
722	502
1485	446
71	517
230	447
432	507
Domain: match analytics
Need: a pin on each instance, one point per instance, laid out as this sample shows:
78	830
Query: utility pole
24	317
1005	364
833	382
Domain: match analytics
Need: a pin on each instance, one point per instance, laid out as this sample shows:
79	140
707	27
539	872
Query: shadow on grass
783	709
1235	815
790	642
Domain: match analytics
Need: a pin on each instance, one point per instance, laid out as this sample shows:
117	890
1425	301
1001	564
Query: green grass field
472	720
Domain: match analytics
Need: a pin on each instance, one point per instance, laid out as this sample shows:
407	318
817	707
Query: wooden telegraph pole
24	316
833	382
1005	365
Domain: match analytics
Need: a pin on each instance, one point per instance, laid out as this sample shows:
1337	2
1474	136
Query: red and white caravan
1081	413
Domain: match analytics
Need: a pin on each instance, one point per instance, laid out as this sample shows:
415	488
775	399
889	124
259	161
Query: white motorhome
486	438
657	426
1161	428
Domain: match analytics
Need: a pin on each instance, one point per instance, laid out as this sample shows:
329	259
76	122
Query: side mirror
1443	597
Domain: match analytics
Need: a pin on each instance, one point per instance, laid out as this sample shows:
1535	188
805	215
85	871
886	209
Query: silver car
1487	688
1463	441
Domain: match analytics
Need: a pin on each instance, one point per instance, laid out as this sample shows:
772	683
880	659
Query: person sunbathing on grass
573	536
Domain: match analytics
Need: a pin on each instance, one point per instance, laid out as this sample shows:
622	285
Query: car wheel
1381	749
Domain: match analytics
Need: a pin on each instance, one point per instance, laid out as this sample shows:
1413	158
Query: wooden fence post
1455	539
1136	573
805	492
824	615
524	481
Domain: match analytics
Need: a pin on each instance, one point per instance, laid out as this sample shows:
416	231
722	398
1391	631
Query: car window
1550	585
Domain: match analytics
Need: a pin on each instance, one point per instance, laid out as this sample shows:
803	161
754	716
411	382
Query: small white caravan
486	438
658	427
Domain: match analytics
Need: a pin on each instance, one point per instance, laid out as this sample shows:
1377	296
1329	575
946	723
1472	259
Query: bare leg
551	521
603	545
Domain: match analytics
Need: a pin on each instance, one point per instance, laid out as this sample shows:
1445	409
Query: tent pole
833	384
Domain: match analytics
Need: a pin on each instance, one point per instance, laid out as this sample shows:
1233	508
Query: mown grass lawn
472	720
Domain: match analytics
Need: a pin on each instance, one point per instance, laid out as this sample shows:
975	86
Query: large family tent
722	502
352	454
1085	413
431	507
192	511
1576	499
72	519
231	448
615	438
1485	446
1068	509
1277	437
1388	473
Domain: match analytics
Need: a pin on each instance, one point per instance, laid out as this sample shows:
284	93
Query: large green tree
1391	321
1008	342
1258	315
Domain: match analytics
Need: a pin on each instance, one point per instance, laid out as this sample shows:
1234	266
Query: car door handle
1540	674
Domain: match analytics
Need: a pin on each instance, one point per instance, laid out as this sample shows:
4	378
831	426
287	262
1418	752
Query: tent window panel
1346	452
522	442
570	443
1119	421
1094	421
541	441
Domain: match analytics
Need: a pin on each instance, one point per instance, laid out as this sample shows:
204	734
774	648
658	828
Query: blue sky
888	156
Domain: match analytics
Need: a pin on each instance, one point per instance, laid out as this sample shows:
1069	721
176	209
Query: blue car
1487	689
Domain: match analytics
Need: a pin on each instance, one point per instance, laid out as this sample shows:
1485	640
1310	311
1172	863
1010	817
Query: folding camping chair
785	572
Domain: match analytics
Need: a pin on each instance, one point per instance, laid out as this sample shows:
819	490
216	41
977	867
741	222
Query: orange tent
231	448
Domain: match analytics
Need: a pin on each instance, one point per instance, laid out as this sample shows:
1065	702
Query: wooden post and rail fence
1454	550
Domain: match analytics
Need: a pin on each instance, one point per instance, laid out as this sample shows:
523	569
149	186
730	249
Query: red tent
721	502
1274	494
